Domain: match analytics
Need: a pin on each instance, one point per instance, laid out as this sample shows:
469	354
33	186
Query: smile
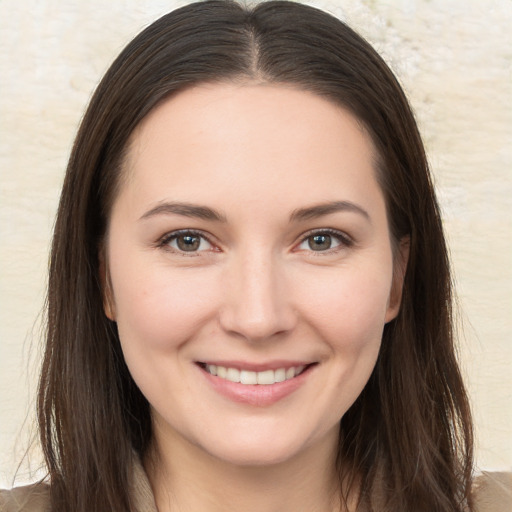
264	378
255	384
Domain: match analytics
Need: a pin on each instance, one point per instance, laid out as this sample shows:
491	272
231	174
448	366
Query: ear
106	287
401	259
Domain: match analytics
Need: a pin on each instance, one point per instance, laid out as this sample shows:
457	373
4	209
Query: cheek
349	308
348	313
158	311
350	317
157	308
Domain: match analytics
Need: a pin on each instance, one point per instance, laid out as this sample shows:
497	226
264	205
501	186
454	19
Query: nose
257	300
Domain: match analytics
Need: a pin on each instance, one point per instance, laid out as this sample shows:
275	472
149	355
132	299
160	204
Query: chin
253	455
276	446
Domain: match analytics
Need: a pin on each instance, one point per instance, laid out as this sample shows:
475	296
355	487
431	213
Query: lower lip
256	394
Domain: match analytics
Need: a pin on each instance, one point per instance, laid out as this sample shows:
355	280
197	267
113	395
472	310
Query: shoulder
492	492
29	498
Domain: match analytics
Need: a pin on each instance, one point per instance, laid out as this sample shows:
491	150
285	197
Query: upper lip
256	367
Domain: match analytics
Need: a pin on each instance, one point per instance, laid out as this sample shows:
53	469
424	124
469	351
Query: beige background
454	59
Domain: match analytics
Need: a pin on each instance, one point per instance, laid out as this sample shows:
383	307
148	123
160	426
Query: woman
249	297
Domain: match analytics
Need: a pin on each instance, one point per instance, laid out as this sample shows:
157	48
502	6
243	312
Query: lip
255	394
257	367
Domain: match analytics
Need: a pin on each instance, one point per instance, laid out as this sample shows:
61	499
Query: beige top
492	493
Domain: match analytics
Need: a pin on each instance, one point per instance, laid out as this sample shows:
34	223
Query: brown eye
325	241
321	242
188	242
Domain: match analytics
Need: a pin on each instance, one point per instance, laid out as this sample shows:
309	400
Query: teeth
264	378
280	375
233	375
247	377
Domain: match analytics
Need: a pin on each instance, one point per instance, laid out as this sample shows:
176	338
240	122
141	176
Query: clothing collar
142	494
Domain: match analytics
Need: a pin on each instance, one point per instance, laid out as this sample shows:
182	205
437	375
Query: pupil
188	242
319	242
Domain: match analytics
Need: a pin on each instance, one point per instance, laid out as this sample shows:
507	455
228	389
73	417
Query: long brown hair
408	437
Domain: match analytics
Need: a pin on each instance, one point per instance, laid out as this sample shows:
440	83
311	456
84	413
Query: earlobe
399	270
106	288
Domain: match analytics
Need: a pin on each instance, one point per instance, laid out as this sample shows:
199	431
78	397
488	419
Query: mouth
260	385
247	377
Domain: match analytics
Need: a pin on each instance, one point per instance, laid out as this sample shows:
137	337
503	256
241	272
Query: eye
186	241
323	241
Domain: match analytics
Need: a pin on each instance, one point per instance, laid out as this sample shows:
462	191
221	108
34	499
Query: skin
256	289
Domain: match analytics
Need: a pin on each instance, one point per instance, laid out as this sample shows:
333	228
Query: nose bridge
257	305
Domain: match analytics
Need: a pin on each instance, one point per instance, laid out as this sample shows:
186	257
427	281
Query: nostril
257	324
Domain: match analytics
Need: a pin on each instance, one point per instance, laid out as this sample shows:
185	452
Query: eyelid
345	240
164	241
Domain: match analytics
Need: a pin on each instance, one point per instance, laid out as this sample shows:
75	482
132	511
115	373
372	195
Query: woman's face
249	241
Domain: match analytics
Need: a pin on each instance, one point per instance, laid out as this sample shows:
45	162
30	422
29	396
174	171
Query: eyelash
163	243
344	240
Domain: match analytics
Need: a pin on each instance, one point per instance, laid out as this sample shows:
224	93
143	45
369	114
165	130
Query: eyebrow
185	210
322	209
207	213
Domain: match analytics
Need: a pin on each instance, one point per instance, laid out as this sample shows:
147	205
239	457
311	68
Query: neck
186	478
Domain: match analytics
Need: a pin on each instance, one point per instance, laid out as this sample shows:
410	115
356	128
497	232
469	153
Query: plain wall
452	56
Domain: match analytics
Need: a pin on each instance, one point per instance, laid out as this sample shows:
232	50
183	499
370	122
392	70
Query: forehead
252	140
